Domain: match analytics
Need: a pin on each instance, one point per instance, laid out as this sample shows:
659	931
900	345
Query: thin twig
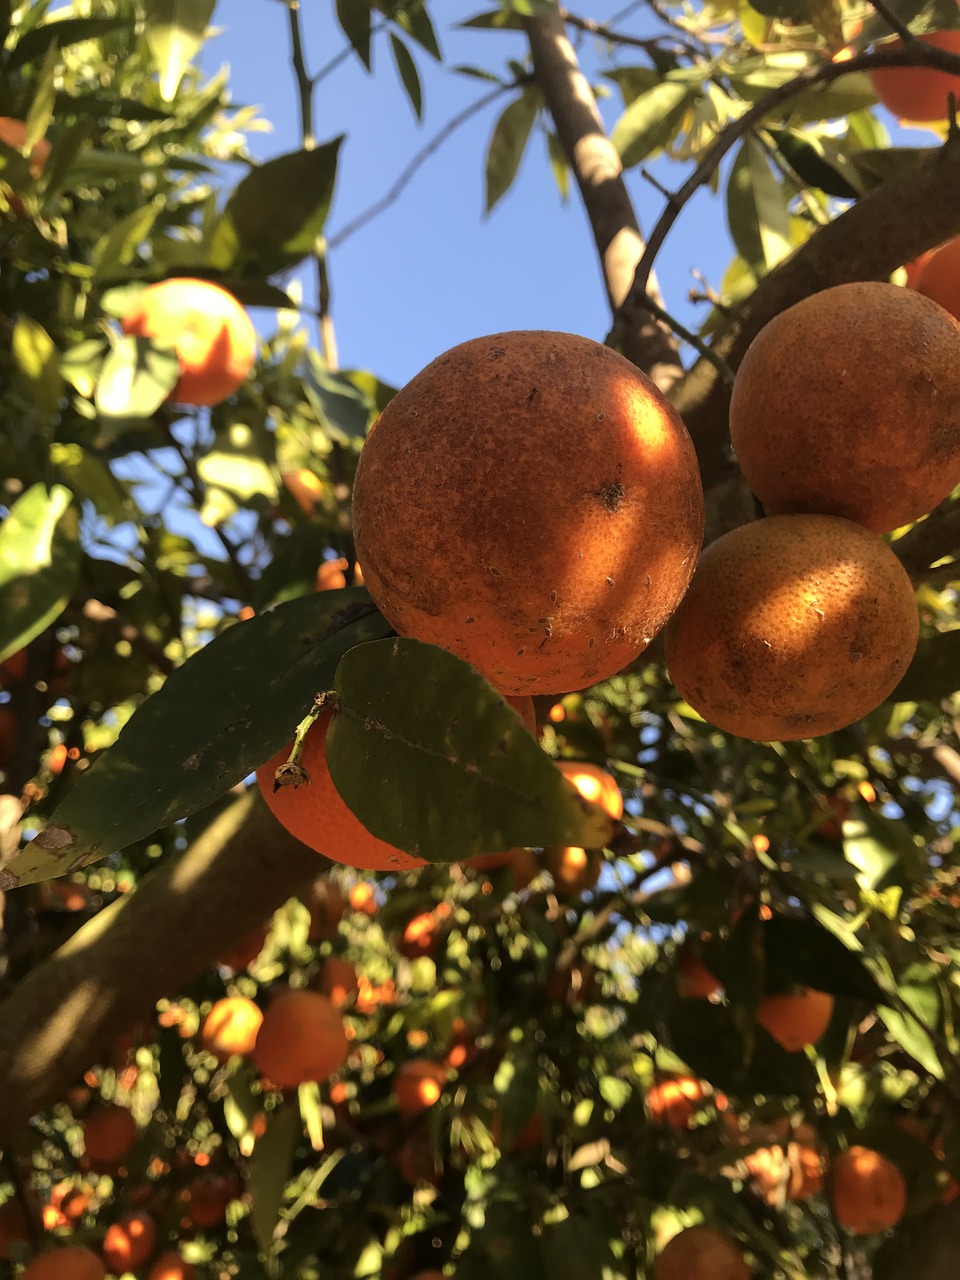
408	174
698	344
304	82
893	21
651	44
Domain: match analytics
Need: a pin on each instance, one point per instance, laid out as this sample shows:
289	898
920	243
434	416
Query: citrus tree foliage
162	633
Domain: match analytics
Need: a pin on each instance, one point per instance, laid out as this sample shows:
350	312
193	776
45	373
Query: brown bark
599	175
62	1015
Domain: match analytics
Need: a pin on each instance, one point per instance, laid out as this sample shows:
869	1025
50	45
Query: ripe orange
302	1039
574	870
338	980
794	626
306	488
14	134
108	1134
694	979
868	1191
823	420
701	1253
791	1172
315	814
170	1266
528	1139
913	270
129	1241
918	93
212	334
363	898
417	1085
594	784
531	502
939	275
72	1262
242	954
417	1161
675	1102
326	908
421	935
370	997
796	1020
8	735
70	1202
206	1198
231	1027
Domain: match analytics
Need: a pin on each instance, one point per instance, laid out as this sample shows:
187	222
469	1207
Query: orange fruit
338	980
938	277
422	934
206	1198
796	1020
701	1253
14	134
243	953
694	979
491	861
209	330
315	814
306	488
868	1191
326	905
418	1085
531	502
302	1039
913	270
109	1132
331	575
793	626
918	93
370	997
8	735
594	784
824	421
231	1027
574	870
675	1102
528	1139
524	866
839	808
69	1201
129	1241
72	1262
170	1266
363	898
417	1161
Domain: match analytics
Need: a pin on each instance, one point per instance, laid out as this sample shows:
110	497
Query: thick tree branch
62	1015
599	174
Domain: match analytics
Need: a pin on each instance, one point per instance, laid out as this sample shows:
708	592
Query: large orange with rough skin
417	1085
868	1191
796	1019
129	1241
108	1134
231	1027
531	502
701	1253
315	814
72	1262
918	93
302	1039
212	334
938	276
848	404
793	626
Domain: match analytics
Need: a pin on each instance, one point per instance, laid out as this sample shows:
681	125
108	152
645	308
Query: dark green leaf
355	23
877	166
633	81
415	21
33	45
809	160
803	952
934	672
507	144
651	121
39	564
705	1037
254	683
341	407
279	209
790	10
407	70
911	1037
175	31
433	761
120	245
268	1172
495	19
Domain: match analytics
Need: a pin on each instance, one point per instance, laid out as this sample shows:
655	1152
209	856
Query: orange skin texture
868	1191
797	1020
108	1134
231	1027
824	420
918	93
129	1241
316	815
212	334
338	980
73	1262
418	1085
939	276
794	626
701	1253
675	1102
170	1266
530	502
302	1039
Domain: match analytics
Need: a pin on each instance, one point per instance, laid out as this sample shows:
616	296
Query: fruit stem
292	773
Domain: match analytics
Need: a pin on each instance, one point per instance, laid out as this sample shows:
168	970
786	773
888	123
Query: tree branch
599	174
62	1015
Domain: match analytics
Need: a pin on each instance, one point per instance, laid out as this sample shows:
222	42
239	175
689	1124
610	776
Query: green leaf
236	463
651	121
507	144
912	1038
119	246
416	22
37	359
269	1170
875	846
354	19
494	19
35	44
808	158
633	81
790	10
705	1037
39	564
92	481
877	166
558	165
254	683
803	952
757	210
135	380
432	760
407	70
279	209
343	409
934	672
175	31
